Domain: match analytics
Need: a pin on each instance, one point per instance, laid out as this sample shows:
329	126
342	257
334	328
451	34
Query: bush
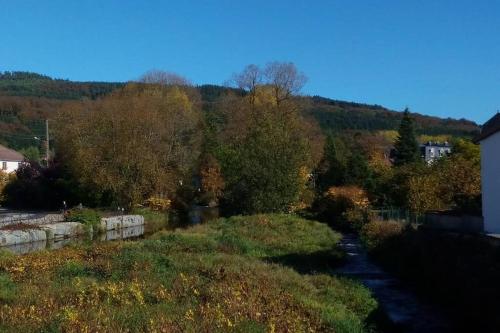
158	204
375	233
345	207
88	217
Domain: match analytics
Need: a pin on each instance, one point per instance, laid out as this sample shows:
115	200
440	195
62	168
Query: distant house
490	173
9	159
431	151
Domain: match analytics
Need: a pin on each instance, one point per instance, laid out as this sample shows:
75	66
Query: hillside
36	85
340	115
27	98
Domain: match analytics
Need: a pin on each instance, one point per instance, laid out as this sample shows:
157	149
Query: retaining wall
46	232
463	223
119	222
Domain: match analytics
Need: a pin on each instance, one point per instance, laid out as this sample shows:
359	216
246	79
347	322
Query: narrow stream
401	305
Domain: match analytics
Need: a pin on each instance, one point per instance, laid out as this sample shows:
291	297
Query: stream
404	309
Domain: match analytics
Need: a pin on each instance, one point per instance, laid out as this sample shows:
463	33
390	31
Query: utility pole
47	151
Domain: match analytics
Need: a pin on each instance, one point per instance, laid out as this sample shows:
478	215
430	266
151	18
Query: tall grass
226	276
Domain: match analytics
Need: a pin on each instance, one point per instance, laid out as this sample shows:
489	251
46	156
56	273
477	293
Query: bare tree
248	80
284	78
156	76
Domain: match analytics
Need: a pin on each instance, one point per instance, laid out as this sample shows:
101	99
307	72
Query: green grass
225	276
154	220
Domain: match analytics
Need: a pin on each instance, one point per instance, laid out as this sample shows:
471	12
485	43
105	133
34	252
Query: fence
399	215
432	220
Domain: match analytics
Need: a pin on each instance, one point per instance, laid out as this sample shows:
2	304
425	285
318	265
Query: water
197	215
401	305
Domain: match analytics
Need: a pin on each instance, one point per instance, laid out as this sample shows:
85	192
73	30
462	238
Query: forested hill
26	98
37	85
339	115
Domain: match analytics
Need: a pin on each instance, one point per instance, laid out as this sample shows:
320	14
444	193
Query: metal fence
398	215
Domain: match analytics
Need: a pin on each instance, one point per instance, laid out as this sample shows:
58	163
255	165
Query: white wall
490	172
11	166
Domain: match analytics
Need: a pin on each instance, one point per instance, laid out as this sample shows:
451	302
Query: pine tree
407	148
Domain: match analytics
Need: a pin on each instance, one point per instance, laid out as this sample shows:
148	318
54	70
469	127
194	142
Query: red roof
7	154
489	128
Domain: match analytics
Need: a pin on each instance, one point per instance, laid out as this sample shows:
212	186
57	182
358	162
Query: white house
9	159
431	151
490	173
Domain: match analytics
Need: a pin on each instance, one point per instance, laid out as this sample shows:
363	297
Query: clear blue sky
437	57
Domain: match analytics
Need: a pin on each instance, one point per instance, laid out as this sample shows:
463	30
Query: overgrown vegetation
228	275
88	217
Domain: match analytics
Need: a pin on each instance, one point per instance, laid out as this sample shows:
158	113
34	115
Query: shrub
158	204
375	233
88	217
345	206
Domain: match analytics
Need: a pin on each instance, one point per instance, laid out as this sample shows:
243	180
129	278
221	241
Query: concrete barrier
43	233
63	230
119	222
132	225
459	223
30	218
14	237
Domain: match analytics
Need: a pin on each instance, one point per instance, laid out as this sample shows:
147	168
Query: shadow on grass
310	263
326	262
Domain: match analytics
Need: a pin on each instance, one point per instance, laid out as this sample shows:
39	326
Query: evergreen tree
335	160
407	148
358	171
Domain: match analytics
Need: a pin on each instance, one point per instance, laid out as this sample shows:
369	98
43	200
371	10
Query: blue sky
436	57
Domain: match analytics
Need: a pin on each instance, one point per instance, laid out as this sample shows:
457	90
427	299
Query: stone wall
120	222
57	230
30	218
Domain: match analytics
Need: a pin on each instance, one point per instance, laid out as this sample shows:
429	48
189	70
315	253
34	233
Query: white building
9	159
490	173
434	150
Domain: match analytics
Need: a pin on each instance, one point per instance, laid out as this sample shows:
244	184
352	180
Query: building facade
431	151
490	174
10	159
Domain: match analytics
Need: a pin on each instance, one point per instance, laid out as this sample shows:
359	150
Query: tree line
249	148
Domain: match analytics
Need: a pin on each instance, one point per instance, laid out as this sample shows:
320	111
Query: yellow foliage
357	196
158	204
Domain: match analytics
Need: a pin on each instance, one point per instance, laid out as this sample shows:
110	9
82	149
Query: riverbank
404	310
235	274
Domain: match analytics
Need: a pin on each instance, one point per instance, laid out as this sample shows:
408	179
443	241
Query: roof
436	144
489	128
7	154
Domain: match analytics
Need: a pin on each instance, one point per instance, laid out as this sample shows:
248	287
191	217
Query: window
4	165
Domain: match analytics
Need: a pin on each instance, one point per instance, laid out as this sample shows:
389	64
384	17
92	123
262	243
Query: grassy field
242	274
